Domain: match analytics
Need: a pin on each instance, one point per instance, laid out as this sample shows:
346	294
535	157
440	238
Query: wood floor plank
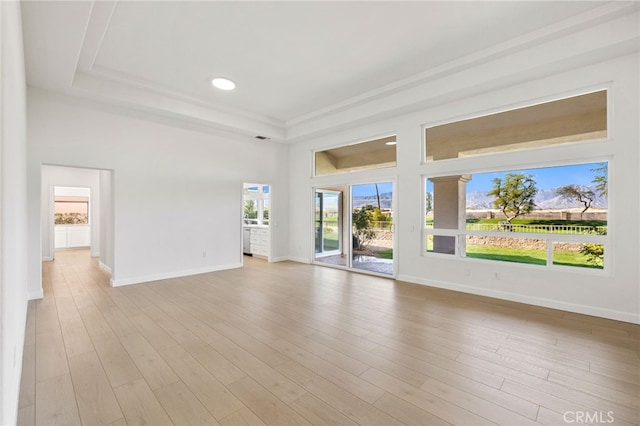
282	387
28	378
344	361
30	326
97	403
427	401
140	406
443	369
546	360
621	371
219	366
182	405
541	398
242	417
75	335
559	390
265	405
347	381
66	306
47	316
56	402
94	321
118	322
154	369
366	358
523	414
348	404
116	361
249	343
605	390
51	357
214	395
318	413
157	337
26	416
406	412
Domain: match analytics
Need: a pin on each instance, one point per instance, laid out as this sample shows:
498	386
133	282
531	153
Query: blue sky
546	178
370	189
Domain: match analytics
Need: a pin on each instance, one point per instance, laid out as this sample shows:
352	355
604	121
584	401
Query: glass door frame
323	252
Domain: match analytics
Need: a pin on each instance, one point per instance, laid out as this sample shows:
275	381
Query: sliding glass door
372	227
354	227
328	226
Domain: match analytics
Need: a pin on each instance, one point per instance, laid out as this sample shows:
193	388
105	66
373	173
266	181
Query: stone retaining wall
520	243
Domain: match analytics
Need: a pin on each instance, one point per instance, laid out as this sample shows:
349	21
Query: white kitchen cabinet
260	241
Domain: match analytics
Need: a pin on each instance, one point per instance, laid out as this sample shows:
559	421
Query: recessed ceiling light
223	83
391	143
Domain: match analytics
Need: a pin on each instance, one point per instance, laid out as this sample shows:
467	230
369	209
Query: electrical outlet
496	276
204	253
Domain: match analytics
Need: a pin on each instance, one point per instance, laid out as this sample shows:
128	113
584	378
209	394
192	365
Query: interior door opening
256	230
78	212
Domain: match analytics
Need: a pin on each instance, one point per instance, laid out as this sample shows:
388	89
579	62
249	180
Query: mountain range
546	199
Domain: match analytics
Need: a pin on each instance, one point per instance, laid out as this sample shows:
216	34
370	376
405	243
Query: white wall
13	207
106	220
554	69
53	176
177	190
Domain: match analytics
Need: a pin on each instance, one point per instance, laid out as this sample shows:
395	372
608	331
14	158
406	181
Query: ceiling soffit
95	79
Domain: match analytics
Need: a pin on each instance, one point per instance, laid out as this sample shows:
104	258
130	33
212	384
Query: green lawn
534	257
385	254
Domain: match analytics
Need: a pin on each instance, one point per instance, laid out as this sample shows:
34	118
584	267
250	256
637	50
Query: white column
449	209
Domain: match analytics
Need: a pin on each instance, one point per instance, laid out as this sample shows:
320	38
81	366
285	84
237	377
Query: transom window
368	155
576	119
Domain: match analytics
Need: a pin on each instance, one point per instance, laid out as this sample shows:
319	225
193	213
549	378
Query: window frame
461	235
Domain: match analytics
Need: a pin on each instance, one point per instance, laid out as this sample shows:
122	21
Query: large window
71	210
553	216
570	120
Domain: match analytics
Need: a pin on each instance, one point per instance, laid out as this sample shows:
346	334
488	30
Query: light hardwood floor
295	344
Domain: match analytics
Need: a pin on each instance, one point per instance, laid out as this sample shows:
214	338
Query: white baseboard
164	276
279	259
104	267
95	254
299	259
35	295
530	300
47	258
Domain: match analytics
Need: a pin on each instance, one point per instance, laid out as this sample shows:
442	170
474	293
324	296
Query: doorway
256	214
354	227
88	220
